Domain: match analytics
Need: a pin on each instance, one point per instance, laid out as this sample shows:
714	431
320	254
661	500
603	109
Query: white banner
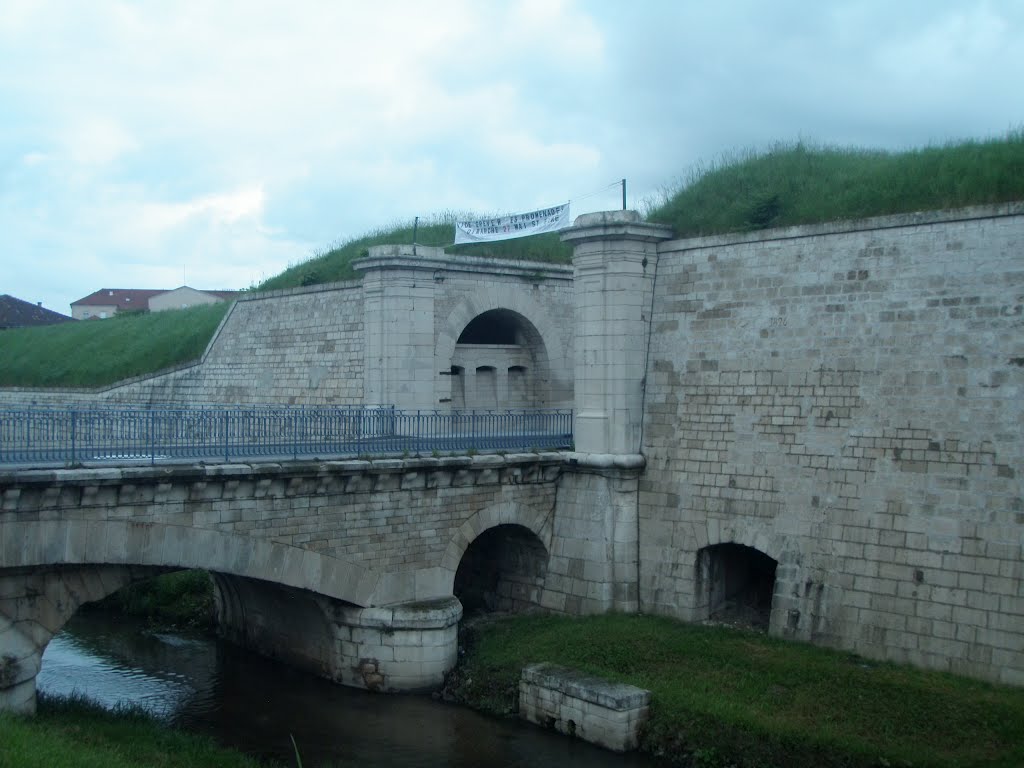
516	225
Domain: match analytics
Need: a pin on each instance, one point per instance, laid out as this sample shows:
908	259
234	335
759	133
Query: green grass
806	184
73	733
336	263
178	599
92	353
742	698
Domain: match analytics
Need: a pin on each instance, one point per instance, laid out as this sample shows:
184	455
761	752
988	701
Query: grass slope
72	733
804	184
728	697
91	353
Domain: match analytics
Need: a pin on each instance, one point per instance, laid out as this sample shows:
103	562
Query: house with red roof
108	302
16	313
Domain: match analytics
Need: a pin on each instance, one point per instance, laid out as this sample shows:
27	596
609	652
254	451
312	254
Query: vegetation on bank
182	599
727	697
721	698
75	733
806	184
786	185
93	353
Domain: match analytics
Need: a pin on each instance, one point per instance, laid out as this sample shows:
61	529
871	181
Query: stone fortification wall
300	346
847	400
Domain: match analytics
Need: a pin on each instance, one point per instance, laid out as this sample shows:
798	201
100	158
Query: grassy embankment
94	353
726	697
808	184
786	185
76	734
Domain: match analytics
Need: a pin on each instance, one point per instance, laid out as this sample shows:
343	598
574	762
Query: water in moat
255	705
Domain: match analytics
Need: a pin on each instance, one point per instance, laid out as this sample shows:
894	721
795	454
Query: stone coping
619	697
437	613
614	225
894	221
106	475
436	259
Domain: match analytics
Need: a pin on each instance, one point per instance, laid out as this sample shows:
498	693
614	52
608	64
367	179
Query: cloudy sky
213	143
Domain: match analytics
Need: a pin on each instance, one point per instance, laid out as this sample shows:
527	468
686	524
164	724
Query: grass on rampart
336	264
724	697
73	733
93	353
802	183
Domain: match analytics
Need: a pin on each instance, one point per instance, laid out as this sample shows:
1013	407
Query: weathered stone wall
593	562
586	707
848	400
299	346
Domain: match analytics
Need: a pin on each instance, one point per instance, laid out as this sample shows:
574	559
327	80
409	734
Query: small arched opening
506	357
502	570
735	584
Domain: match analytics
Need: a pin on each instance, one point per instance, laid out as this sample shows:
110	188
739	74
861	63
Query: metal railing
126	435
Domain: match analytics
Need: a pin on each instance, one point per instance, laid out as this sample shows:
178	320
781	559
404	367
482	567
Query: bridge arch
278	600
500	348
498	559
128	543
36	603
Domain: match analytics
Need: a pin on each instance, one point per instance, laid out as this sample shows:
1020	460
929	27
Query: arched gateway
735	584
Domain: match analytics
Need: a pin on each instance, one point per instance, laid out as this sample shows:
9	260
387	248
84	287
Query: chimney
39	303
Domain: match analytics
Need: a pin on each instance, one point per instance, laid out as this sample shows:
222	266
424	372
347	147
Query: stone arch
734	574
504	569
37	603
540	335
506	516
735	583
123	542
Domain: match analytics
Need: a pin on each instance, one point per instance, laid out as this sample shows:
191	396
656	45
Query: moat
255	705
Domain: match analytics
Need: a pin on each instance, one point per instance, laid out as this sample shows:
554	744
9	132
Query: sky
213	143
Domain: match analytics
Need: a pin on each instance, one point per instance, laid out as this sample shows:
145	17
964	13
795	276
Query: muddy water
255	705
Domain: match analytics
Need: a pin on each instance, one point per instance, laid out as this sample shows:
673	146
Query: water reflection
256	705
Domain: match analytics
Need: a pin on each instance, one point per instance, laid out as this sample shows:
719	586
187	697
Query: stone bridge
351	569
